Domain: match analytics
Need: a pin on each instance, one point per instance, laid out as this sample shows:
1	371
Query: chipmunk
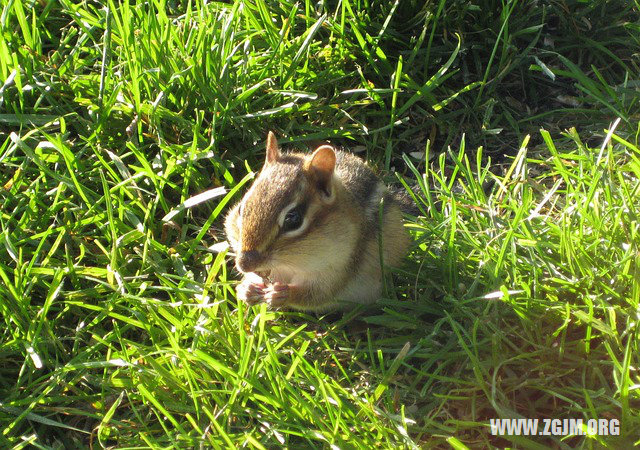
307	233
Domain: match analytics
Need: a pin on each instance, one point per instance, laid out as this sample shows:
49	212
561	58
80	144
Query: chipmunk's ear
273	151
319	167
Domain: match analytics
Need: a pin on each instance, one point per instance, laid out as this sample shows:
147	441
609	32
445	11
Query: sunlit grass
519	298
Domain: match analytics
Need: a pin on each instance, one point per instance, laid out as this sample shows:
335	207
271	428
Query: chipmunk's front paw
251	292
277	294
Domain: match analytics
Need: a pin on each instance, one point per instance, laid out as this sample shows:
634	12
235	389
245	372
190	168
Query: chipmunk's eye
293	219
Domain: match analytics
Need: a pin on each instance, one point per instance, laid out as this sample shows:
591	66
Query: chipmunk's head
276	222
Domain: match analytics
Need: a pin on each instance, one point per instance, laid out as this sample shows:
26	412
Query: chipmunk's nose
248	261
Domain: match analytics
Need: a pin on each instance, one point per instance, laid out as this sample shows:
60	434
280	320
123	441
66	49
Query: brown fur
335	254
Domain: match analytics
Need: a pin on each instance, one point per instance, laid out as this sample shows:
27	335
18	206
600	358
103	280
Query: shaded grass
519	299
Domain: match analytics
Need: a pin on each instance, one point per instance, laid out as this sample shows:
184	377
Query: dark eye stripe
294	217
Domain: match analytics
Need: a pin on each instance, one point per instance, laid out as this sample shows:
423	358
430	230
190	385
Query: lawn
515	124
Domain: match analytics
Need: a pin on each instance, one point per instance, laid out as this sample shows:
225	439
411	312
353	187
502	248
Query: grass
520	296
